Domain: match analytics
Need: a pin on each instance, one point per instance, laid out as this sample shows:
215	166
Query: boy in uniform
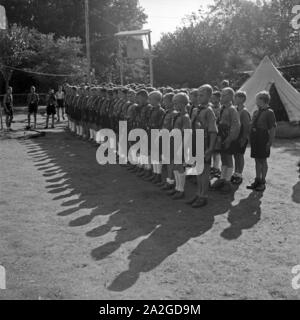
240	145
155	122
216	106
228	132
32	102
182	121
204	118
168	125
8	108
262	135
51	108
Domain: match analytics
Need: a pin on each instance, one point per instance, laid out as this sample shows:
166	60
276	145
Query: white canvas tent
263	78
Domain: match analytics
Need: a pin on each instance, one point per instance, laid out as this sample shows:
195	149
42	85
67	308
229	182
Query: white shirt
60	95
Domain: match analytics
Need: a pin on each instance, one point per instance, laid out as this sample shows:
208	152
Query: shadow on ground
135	209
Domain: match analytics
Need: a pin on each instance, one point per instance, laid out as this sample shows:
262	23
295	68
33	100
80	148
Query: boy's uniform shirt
264	119
33	98
168	119
142	115
217	111
204	118
229	124
245	119
156	117
51	100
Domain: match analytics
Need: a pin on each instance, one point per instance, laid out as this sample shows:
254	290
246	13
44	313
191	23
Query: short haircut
264	96
169	96
225	83
241	94
150	89
143	93
217	94
183	97
208	88
194	92
157	94
229	90
169	90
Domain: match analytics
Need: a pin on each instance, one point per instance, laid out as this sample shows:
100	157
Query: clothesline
38	73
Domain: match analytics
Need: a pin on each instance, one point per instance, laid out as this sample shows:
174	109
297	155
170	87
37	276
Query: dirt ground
71	229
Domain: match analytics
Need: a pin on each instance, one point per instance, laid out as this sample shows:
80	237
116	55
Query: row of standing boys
222	115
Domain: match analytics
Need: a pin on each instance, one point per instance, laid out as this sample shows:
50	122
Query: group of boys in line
222	115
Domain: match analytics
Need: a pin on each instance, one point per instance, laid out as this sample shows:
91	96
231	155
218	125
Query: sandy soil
71	229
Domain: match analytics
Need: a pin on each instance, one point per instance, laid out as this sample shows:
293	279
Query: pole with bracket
88	44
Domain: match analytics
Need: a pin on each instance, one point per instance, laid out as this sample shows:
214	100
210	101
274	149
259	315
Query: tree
15	50
28	49
233	35
66	18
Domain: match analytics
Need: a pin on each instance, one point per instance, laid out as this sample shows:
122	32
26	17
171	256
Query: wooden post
121	59
87	36
150	60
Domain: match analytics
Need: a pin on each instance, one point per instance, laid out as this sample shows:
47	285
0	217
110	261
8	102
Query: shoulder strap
255	121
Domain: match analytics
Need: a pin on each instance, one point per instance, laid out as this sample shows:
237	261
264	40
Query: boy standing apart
51	108
262	135
8	107
33	102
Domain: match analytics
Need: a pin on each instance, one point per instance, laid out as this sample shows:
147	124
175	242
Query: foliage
232	36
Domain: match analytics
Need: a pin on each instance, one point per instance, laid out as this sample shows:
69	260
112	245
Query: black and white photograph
149	151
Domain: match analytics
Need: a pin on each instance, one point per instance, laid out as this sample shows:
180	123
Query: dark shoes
191	201
178	195
226	188
218	184
168	187
258	185
200	203
157	180
216	173
197	202
236	180
171	192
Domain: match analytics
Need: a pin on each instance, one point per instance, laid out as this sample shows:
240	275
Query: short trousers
9	111
33	108
259	140
51	110
236	147
60	103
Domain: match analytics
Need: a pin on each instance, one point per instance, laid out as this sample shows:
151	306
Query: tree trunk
7	74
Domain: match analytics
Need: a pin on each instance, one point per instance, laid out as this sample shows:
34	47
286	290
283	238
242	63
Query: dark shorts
9	111
236	147
33	108
51	110
259	140
60	104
